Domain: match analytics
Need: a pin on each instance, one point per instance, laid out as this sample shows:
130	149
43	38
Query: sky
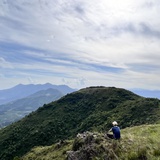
80	43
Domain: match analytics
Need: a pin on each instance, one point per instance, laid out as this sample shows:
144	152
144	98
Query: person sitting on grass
116	131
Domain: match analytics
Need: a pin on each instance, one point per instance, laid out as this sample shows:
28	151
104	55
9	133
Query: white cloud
30	80
5	64
72	37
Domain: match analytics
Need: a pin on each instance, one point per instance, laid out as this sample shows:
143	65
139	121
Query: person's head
114	123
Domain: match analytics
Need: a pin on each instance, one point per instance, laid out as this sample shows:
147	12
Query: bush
142	154
156	152
77	144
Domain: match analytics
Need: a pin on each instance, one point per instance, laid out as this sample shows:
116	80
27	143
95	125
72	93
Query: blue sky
80	43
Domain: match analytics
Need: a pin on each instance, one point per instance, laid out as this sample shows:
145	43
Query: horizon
80	43
138	89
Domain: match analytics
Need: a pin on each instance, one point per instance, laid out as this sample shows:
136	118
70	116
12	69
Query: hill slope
17	109
137	143
87	109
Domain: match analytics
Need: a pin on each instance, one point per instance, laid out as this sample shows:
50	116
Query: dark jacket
116	132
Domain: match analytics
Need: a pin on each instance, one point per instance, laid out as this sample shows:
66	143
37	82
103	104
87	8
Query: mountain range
88	109
21	91
147	93
23	99
17	109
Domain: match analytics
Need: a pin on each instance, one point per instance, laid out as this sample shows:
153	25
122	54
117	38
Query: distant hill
17	109
22	91
89	109
147	93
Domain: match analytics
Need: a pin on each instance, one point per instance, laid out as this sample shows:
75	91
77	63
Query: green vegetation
56	152
91	109
137	143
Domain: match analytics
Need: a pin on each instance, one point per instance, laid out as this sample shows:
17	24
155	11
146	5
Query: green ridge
91	109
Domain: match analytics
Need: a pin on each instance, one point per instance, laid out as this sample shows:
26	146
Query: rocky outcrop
90	145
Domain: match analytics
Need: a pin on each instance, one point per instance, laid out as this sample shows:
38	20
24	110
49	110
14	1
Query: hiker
116	131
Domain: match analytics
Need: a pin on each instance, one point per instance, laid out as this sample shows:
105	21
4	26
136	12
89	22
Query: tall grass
137	143
54	152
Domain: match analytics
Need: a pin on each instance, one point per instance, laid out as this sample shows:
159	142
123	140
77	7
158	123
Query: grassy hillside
90	109
137	143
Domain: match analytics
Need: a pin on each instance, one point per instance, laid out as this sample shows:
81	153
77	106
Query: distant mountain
17	109
21	91
89	109
147	93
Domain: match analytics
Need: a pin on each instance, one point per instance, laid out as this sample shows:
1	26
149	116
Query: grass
137	143
56	151
141	142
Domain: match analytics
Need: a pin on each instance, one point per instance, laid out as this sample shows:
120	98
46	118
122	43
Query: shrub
77	144
132	156
142	153
156	152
